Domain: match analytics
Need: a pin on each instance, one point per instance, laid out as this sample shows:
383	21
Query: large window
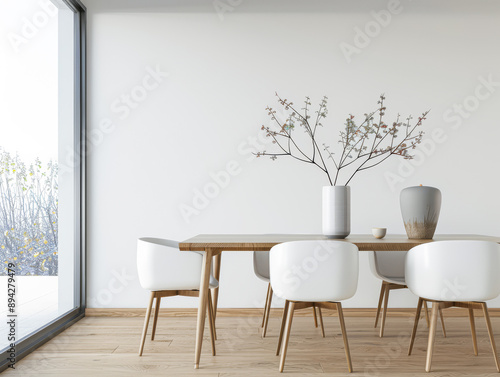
41	171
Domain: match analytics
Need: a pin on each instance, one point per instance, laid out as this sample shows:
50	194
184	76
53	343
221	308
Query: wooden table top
263	242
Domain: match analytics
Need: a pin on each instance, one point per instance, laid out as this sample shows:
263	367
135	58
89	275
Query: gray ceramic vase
420	206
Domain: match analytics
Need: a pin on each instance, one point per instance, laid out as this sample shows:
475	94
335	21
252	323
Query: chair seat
263	278
395	280
213	282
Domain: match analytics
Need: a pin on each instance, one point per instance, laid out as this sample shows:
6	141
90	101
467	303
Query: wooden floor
105	346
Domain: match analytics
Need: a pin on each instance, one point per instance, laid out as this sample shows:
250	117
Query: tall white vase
336	211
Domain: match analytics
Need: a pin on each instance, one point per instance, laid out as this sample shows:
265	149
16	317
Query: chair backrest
454	270
261	264
162	266
314	271
387	264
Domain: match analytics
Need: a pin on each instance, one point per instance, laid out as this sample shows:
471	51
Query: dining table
214	244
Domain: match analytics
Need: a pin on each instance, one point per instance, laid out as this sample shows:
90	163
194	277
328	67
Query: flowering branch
367	144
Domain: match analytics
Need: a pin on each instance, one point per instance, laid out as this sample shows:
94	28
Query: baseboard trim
275	312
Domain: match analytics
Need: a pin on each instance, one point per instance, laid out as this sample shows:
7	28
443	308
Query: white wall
223	72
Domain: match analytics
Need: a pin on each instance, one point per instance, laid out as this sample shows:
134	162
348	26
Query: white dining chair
261	270
166	271
389	266
454	273
313	274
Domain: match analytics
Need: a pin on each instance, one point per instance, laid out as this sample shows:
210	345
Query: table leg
215	292
202	308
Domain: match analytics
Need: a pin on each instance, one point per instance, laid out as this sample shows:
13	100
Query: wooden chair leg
321	322
442	321
155	319
443	328
213	309
286	337
211	321
315	317
344	335
415	325
384	313
283	321
432	335
382	291
473	330
490	333
268	311
265	305
146	323
426	313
